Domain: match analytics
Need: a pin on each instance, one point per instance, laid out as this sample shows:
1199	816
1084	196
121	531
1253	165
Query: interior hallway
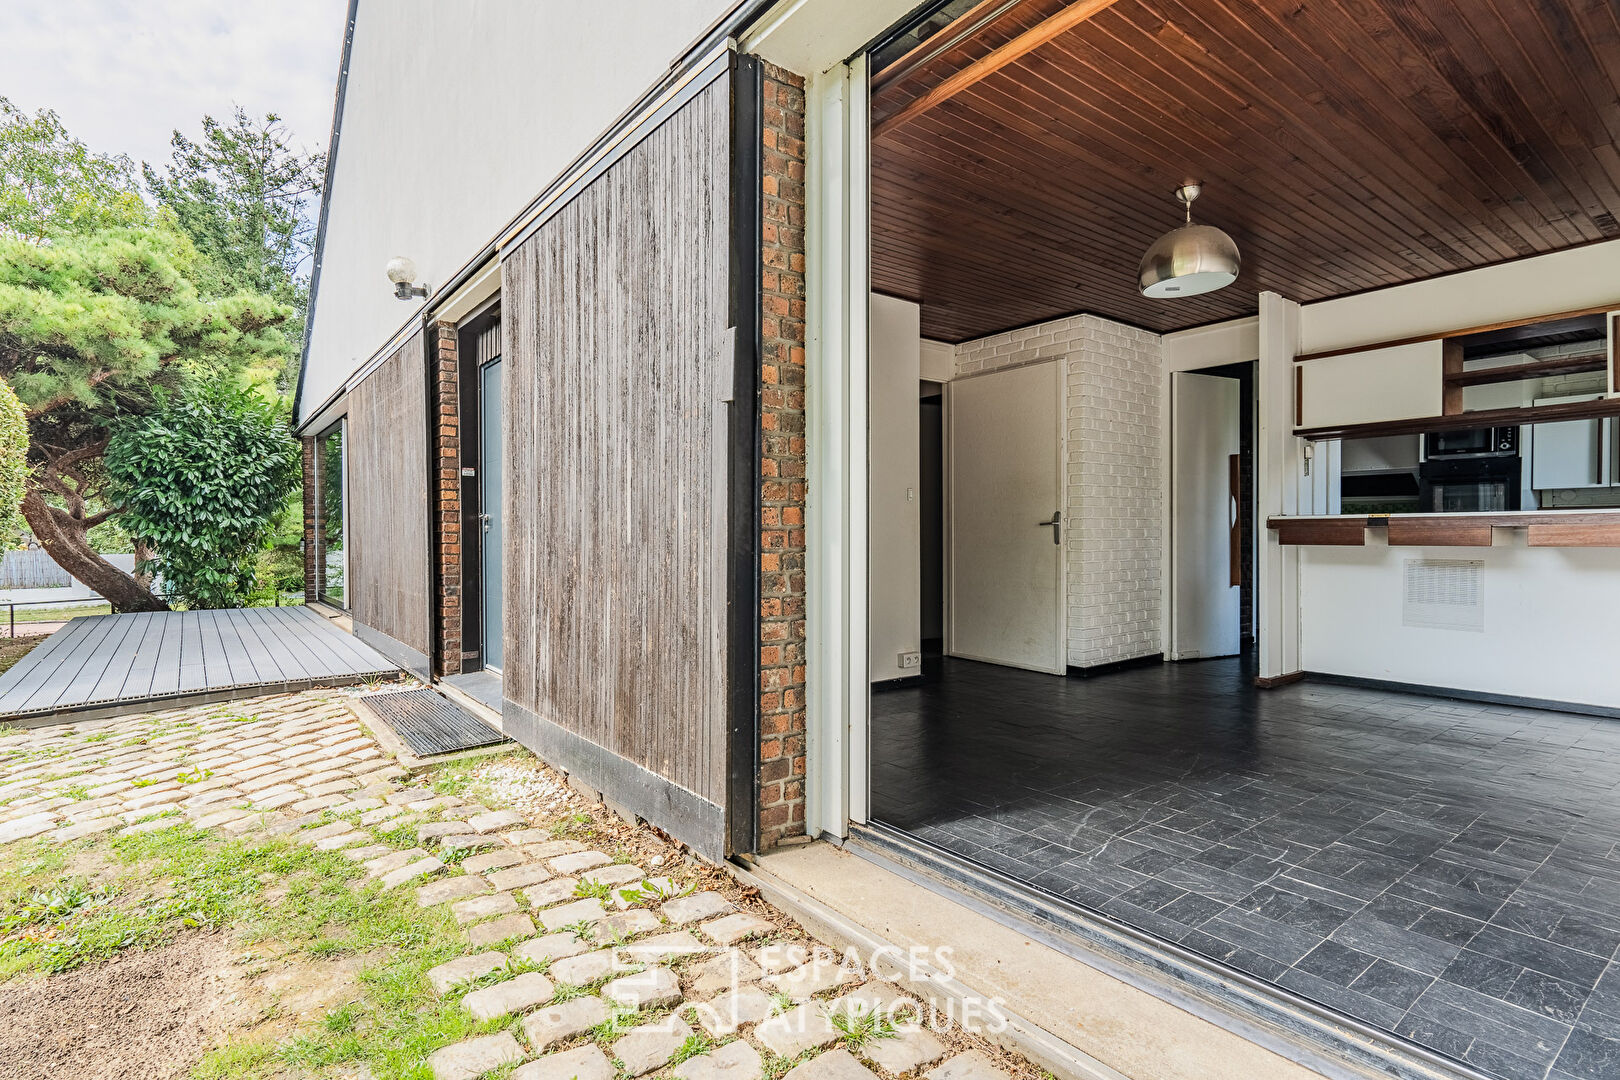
1445	870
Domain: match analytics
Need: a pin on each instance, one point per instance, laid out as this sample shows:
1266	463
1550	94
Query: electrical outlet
910	660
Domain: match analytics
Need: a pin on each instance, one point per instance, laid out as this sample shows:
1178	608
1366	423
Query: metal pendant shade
1190	260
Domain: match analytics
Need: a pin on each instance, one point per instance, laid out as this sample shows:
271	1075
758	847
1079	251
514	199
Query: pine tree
91	327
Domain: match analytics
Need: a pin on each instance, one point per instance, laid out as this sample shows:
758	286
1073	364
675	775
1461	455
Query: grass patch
860	1027
699	1042
60	614
164	882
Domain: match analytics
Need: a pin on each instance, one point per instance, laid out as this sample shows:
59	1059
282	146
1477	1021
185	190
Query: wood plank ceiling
1345	145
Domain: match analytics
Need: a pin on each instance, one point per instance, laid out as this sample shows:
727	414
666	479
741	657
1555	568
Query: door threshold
1321	1039
447	685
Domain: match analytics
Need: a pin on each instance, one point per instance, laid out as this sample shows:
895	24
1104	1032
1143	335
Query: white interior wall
1546	629
456	116
895	623
1522	289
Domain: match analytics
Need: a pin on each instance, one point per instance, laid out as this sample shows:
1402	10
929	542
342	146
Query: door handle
483	520
1057	526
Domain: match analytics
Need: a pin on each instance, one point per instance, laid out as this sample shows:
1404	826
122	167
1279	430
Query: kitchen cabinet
1572	453
1399	382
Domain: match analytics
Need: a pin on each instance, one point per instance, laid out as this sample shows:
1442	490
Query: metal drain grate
431	725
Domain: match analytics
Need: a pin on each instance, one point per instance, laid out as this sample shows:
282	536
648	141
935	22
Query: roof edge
326	202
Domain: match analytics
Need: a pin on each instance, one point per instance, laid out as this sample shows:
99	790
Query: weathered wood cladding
387	509
619	367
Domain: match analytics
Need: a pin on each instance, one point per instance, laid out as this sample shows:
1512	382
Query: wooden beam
959	31
1028	41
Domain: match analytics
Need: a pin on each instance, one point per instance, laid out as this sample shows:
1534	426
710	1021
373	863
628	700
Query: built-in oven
1467	484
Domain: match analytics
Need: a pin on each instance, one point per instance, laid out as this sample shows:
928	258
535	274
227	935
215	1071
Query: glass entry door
491	450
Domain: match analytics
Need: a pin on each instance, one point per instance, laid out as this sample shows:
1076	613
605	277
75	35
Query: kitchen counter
1545	528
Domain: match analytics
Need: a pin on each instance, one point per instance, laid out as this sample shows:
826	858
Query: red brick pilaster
447	494
782	642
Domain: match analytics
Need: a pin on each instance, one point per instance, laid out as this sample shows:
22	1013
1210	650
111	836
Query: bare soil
14	649
150	1013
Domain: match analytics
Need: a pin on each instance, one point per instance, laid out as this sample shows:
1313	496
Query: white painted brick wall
1113	542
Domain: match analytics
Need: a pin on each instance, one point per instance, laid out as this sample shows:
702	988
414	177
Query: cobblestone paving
608	970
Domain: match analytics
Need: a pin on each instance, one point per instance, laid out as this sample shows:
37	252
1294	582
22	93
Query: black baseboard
1579	708
1117	665
905	682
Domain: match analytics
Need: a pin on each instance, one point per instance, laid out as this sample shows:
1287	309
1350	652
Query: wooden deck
114	661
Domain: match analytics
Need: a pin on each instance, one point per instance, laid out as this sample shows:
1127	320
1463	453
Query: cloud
124	75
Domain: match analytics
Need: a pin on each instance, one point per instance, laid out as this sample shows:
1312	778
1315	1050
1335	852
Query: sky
123	74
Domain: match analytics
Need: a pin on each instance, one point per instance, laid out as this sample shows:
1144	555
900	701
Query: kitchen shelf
1538	369
1546	528
1529	414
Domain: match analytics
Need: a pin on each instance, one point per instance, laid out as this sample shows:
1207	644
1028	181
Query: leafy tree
244	195
13	465
202	478
51	184
92	328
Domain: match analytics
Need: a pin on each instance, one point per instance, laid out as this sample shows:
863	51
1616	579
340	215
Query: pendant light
1190	260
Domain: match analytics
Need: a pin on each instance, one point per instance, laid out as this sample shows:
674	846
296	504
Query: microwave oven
1471	442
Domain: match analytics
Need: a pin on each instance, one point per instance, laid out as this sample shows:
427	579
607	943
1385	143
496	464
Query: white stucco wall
456	116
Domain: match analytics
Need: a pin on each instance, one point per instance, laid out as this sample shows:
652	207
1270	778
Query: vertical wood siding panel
388	494
616	527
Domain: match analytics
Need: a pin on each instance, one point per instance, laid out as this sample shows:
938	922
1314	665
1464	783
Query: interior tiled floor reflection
1441	869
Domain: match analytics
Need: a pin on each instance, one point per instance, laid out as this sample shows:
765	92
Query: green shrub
13	465
202	478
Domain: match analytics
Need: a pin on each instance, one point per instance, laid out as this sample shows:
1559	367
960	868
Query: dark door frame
470	429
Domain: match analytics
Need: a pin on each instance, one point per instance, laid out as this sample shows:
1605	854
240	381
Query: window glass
331	566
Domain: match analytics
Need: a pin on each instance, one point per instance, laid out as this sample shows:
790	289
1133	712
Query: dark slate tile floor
1446	870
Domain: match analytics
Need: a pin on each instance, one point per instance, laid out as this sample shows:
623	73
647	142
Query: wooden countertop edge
1510	520
1590	528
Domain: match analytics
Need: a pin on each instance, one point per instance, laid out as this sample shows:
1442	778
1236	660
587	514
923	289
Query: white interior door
1206	607
1004	494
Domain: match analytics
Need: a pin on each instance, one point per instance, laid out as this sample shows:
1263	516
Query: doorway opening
482	501
1318	842
1212	511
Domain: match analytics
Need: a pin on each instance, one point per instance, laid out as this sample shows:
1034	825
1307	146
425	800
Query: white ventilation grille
1444	594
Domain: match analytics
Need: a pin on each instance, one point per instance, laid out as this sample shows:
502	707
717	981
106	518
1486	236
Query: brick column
312	581
447	494
781	656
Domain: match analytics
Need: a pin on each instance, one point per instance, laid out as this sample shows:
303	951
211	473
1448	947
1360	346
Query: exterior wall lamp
402	272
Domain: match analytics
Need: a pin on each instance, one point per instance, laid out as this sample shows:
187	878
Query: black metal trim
1609	712
471	417
683	814
1164	968
326	203
1094	670
744	479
